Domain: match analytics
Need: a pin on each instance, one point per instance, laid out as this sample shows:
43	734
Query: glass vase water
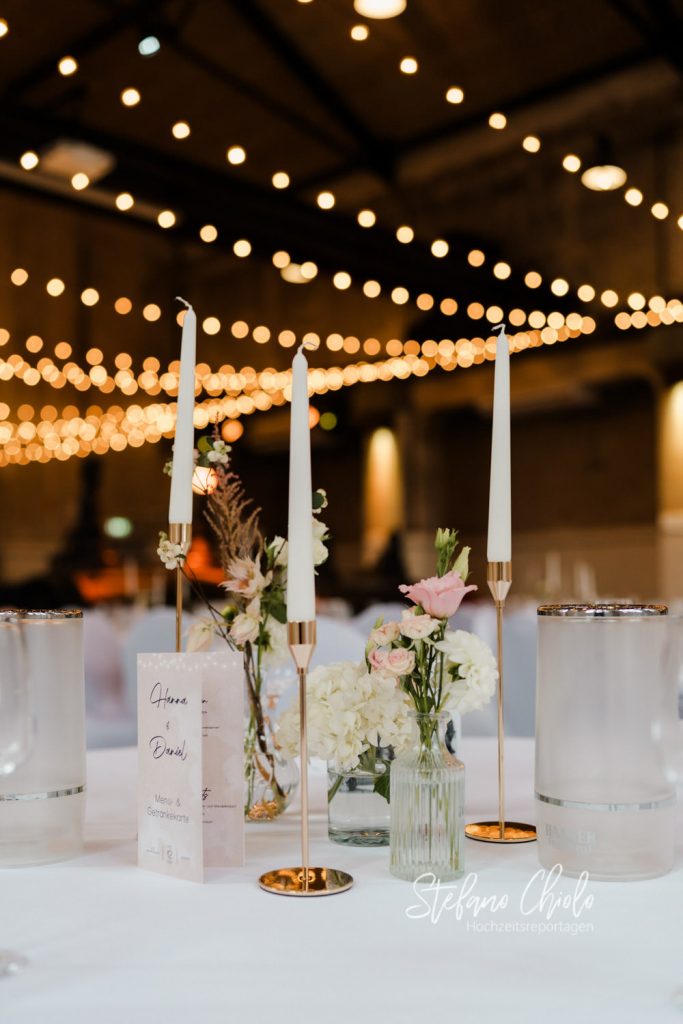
427	806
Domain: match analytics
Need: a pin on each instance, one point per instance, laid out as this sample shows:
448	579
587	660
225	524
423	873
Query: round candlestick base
300	881
490	832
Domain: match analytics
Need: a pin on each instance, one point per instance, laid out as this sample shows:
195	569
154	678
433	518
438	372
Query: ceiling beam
460	127
374	152
79	46
269	219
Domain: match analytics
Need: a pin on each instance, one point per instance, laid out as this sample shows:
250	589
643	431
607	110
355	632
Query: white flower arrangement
351	712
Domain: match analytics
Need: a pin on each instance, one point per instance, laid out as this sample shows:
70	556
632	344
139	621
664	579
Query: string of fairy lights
236	155
246	391
99	431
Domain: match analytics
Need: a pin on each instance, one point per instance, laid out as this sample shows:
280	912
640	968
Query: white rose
477	671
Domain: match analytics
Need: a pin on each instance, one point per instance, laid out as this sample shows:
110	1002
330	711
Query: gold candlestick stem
499	578
304	880
179	533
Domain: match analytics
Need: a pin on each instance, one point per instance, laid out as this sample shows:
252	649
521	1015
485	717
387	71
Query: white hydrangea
477	670
278	651
349	710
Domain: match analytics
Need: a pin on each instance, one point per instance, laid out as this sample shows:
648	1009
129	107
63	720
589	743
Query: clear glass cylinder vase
427	806
358	805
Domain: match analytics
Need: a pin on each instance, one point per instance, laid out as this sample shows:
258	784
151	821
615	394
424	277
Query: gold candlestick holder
179	533
499	578
304	880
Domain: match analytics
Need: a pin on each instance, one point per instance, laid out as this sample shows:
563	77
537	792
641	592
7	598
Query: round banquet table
108	942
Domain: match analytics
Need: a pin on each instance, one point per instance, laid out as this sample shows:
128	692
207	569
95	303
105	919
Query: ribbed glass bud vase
427	805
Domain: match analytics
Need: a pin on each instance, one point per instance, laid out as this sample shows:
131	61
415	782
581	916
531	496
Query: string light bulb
67	66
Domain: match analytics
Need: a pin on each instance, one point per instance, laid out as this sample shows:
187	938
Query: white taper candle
499	547
300	571
180	505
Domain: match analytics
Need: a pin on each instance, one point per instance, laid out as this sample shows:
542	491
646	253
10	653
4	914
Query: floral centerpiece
252	620
360	716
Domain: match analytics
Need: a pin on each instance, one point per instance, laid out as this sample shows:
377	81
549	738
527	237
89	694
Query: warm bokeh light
455	94
309	270
242	247
449	307
633	196
280	179
400	296
90	297
325	200
439	248
559	286
586	292
498	121
204	480
571	163
211	325
34	343
502	271
208	233
151	312
240	329
531	143
123	305
236	155
609	298
659	210
341	280
371	289
359	33
80	180
636	300
181	130
19	276
4	27
475	258
261	334
424	301
55	286
130	97
29	160
405	234
166	219
67	66
124	201
408	65
603	177
366	218
281	259
231	431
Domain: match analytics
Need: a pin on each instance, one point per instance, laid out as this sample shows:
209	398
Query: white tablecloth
109	943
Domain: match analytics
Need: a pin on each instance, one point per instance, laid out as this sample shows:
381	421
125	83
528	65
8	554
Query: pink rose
400	661
378	659
384	634
439	596
417	627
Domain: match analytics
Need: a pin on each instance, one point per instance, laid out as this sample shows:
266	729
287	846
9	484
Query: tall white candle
499	547
180	505
300	571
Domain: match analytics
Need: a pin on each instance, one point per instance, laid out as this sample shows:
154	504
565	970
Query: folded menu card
190	762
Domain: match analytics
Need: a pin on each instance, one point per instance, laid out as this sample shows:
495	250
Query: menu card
190	762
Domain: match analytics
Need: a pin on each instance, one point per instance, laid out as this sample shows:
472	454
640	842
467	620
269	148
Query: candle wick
179	298
498	327
309	344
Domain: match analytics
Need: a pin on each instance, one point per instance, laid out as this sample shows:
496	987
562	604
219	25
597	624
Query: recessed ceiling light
148	46
603	177
379	8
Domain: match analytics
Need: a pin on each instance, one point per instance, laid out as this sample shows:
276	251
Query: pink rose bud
439	596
